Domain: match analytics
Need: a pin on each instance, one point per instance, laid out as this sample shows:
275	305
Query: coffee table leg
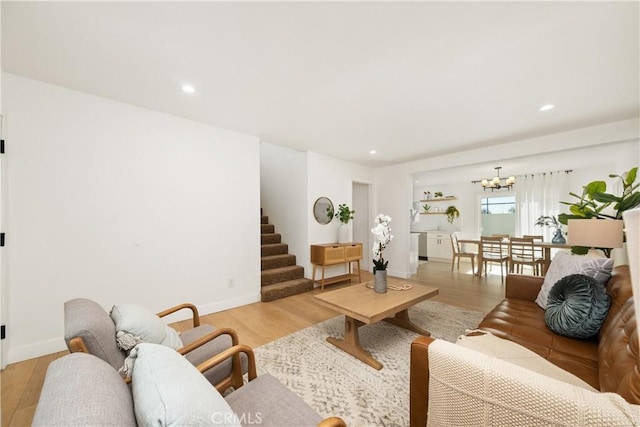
351	343
402	319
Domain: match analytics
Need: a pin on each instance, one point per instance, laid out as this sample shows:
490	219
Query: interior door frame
361	196
3	267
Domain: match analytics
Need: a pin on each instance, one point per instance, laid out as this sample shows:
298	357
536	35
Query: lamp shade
595	233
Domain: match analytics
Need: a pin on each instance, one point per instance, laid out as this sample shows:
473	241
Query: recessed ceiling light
188	88
372	152
547	107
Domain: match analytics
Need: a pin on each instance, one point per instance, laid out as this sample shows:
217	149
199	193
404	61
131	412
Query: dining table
546	247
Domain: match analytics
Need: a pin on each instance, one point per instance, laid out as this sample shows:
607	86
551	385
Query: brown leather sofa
610	362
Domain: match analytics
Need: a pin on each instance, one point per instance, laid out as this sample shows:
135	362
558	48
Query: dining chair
459	253
538	252
493	251
521	253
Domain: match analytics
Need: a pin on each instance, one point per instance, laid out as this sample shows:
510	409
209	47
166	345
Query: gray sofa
81	389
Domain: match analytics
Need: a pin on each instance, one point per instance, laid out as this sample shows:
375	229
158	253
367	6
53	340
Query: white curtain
537	195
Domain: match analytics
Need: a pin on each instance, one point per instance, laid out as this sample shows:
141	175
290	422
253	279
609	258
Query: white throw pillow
135	324
564	264
170	391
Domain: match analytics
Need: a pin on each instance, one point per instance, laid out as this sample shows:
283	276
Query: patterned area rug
336	384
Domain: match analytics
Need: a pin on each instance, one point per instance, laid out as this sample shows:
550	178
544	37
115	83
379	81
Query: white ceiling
409	79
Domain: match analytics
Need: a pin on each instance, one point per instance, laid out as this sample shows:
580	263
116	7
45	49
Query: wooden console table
334	254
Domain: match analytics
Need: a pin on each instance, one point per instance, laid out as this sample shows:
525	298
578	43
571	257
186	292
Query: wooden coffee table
362	305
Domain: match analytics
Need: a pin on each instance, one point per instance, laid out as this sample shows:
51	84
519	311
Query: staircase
280	277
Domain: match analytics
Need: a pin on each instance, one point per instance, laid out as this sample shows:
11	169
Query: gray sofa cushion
87	319
82	390
265	401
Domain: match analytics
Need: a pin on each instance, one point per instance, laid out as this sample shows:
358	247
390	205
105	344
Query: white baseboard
398	273
214	307
18	354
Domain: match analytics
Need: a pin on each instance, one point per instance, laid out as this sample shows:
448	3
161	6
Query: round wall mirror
323	210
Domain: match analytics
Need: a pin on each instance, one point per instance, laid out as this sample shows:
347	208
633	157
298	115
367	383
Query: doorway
361	224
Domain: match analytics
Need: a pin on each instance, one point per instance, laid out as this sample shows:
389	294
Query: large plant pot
380	281
343	233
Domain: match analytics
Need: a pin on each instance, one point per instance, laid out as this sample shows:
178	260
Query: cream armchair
467	387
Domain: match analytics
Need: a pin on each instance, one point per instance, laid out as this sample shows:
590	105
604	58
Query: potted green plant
552	221
452	213
594	201
344	214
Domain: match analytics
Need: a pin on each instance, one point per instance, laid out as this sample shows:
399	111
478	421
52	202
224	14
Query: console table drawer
327	255
353	252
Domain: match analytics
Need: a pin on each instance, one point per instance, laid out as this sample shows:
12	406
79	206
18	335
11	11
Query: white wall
592	152
283	196
333	178
121	204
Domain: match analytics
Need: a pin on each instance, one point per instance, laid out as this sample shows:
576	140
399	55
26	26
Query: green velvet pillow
577	306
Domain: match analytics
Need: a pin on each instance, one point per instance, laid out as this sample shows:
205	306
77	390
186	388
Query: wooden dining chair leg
453	262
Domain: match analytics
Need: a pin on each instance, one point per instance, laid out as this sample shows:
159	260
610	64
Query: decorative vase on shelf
380	281
558	237
343	233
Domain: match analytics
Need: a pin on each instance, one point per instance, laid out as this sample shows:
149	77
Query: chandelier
497	183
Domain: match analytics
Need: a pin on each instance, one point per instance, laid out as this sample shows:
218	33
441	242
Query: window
498	215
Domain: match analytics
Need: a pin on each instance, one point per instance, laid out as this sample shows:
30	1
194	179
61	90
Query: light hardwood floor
258	324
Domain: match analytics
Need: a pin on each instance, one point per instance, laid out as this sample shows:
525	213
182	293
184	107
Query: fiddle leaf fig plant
594	200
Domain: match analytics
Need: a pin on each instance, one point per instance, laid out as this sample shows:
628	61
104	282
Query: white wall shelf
439	199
